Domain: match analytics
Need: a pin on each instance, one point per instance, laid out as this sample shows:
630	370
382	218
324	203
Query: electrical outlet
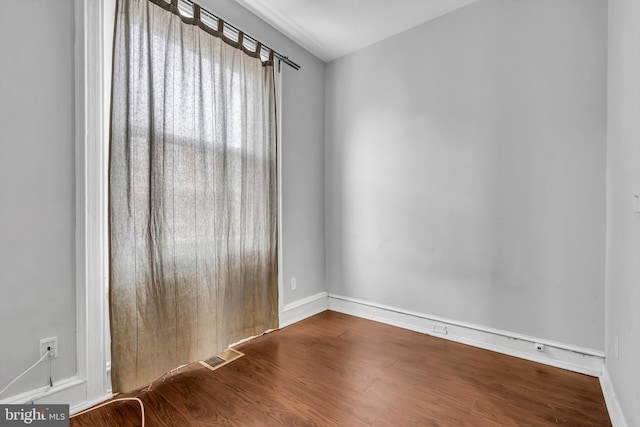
50	345
440	329
294	284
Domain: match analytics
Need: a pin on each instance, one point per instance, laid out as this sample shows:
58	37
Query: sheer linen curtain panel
192	191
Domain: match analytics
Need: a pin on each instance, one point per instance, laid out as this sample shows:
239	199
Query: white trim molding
613	405
70	389
94	21
302	309
278	86
565	356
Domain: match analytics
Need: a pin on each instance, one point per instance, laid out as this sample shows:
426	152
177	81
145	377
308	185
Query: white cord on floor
44	356
112	401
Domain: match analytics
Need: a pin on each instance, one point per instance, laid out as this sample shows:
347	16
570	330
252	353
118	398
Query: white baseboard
565	356
71	391
301	309
74	409
613	406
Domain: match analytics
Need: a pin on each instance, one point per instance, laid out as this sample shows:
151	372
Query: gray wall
302	153
623	226
465	169
37	205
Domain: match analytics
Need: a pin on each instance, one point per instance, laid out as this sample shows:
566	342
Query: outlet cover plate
49	342
440	329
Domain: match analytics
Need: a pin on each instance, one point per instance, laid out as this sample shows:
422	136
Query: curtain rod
278	55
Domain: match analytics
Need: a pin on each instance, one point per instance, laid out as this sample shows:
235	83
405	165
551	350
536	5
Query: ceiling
333	28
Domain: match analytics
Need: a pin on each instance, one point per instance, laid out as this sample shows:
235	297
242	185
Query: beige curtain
193	203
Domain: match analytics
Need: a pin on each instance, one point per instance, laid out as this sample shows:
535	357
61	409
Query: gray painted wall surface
623	226
465	169
303	96
37	201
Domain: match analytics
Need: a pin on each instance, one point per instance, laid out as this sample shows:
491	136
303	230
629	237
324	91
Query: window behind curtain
193	203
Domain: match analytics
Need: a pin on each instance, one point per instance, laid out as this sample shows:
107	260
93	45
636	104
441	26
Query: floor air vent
219	360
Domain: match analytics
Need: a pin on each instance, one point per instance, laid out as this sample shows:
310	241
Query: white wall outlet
49	345
440	329
294	284
539	347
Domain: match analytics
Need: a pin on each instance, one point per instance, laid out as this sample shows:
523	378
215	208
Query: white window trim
278	85
93	28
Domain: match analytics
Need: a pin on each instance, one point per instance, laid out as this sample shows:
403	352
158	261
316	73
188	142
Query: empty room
320	213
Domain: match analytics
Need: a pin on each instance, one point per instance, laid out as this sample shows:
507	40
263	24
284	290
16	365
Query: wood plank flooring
338	370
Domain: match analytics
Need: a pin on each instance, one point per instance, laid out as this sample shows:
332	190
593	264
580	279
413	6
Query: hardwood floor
338	370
